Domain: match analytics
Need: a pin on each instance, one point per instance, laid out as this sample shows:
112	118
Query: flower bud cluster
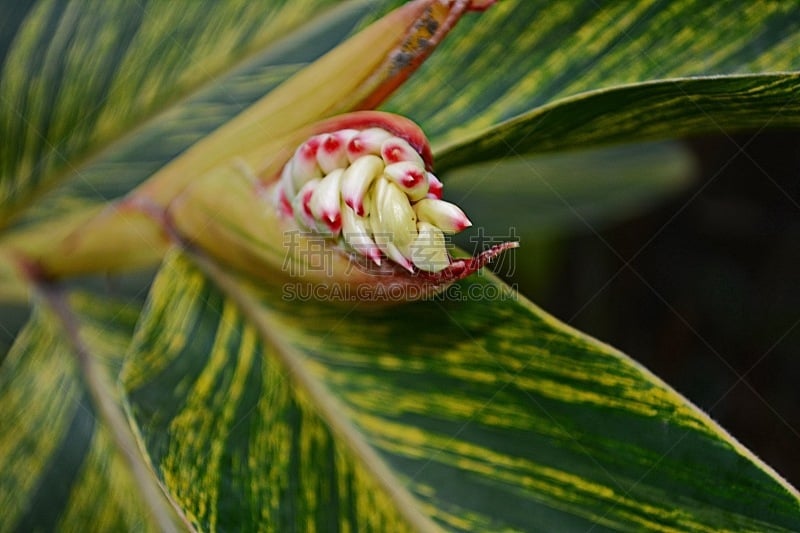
370	190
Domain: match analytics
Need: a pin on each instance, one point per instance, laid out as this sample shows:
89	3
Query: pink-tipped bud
326	203
367	142
406	175
358	178
392	213
435	187
332	151
284	204
302	205
303	165
395	150
356	235
394	253
411	178
287	181
377	200
446	216
393	222
284	192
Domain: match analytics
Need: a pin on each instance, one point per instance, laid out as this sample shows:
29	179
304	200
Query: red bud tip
333	221
358	207
435	187
284	203
375	255
306	202
308	150
331	144
356	148
412	178
392	155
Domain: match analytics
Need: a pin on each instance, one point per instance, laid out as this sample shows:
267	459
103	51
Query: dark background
710	299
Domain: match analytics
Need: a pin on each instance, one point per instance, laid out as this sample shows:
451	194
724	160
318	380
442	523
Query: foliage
203	398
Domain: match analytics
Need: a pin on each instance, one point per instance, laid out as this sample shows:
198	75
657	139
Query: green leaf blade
491	413
522	56
235	442
535	419
57	458
484	413
72	83
656	110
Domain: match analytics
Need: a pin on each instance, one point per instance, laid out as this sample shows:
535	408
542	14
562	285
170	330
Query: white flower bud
326	203
287	181
303	165
301	205
395	150
411	179
332	151
357	179
284	192
367	142
356	235
429	251
446	216
393	222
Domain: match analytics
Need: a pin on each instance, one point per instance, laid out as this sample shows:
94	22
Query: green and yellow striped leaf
523	55
644	111
490	414
261	408
238	445
62	470
78	76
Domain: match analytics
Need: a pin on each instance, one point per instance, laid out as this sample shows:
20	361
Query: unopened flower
332	151
329	177
428	250
397	150
358	178
435	187
446	216
367	142
410	177
393	222
304	166
370	192
326	203
359	235
301	205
